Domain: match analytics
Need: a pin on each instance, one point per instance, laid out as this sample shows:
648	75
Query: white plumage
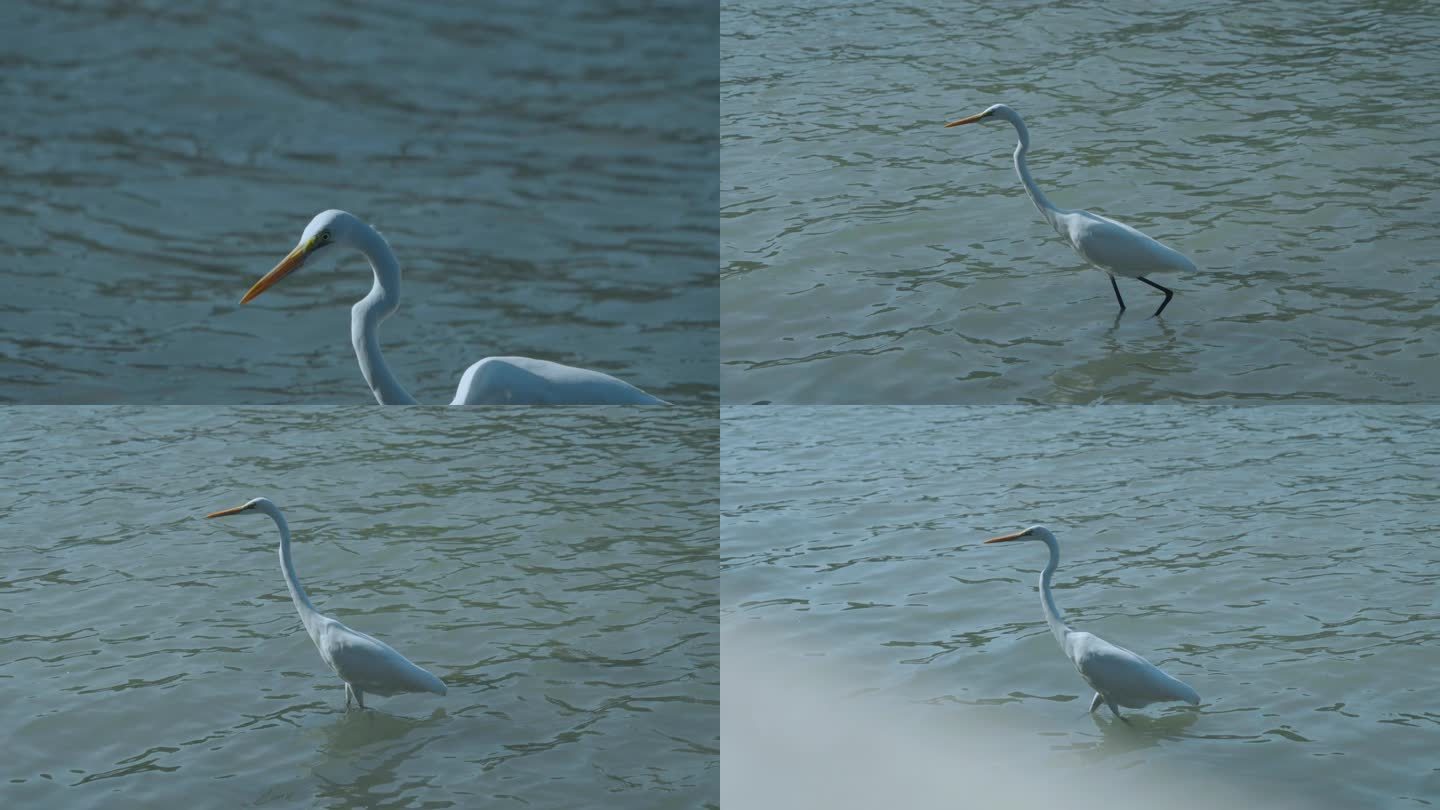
1118	676
363	662
1112	246
492	381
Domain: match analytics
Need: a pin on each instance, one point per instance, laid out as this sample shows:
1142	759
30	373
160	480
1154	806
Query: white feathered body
526	381
1122	677
1117	248
369	664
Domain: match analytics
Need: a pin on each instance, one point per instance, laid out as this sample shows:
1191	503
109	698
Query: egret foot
1169	293
358	695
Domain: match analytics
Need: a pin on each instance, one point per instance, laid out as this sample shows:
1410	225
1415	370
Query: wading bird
364	663
492	381
1112	246
1118	676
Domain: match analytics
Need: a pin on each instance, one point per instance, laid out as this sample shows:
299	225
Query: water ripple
556	570
867	253
1279	559
546	177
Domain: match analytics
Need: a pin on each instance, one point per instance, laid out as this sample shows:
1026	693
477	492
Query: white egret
492	381
364	663
1118	676
1112	246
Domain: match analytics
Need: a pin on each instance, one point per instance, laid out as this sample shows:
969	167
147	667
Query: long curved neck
368	312
1058	628
1046	208
307	611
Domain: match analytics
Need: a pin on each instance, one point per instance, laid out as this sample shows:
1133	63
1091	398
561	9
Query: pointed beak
1005	538
972	119
224	512
286	266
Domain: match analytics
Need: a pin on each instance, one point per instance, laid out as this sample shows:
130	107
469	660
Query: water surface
545	174
1281	560
871	256
557	571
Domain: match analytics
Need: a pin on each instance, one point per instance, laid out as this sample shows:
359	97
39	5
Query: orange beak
1005	538
224	512
287	265
972	119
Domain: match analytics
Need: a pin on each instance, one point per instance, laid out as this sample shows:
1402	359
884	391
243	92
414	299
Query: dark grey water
1281	560
557	569
546	174
871	256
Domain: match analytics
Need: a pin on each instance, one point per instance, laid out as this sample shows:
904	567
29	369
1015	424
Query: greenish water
556	569
546	175
1281	560
870	255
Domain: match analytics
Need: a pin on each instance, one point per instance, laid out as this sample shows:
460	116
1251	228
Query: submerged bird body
363	662
525	380
1118	676
492	381
1105	244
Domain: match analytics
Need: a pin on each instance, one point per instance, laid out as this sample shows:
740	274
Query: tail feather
428	682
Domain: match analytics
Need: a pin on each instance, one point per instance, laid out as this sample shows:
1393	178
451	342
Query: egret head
249	506
328	228
992	112
1039	533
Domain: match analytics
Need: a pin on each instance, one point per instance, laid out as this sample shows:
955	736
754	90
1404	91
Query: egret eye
324	236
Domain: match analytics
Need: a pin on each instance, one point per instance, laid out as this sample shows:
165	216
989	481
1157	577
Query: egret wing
372	665
523	380
1122	676
1119	248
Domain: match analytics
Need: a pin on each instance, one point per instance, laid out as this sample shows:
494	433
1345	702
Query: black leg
1116	288
1169	293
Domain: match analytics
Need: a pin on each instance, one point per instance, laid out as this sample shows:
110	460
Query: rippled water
545	173
556	569
870	255
1281	560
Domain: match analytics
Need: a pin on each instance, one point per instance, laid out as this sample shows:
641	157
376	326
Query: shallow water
557	570
545	174
1281	560
870	255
